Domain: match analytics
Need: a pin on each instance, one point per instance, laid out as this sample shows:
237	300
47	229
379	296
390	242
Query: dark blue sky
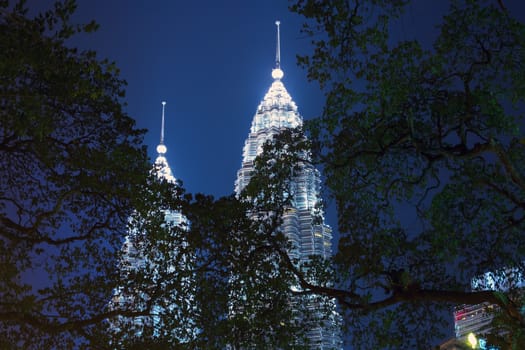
211	61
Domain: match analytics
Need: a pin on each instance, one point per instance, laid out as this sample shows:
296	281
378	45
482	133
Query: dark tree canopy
423	151
76	187
72	164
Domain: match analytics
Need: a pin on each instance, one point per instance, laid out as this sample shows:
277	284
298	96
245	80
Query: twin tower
275	113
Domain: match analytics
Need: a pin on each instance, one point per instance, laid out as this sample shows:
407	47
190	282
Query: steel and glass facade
276	112
155	261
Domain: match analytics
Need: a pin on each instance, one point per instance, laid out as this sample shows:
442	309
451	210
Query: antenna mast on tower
162	125
277	73
161	149
278	51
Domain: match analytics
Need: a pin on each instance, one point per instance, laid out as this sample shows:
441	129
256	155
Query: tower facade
149	268
275	113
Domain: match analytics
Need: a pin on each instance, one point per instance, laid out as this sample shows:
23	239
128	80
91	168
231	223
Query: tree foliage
222	280
423	152
72	166
243	285
89	256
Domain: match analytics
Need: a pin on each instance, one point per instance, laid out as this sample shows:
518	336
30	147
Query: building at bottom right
482	326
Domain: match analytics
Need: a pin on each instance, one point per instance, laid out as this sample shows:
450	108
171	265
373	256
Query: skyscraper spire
155	259
278	51
161	148
277	73
161	162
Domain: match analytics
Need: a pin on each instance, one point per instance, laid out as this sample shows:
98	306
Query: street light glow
472	340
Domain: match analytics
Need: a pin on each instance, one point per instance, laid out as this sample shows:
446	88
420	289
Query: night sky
211	62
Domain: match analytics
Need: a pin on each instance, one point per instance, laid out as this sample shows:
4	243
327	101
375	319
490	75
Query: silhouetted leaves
420	147
72	164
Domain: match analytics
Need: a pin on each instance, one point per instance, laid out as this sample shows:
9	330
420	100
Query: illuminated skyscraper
150	268
276	112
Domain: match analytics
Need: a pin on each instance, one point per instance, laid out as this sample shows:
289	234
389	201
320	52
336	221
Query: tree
73	167
76	188
232	292
243	284
422	149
